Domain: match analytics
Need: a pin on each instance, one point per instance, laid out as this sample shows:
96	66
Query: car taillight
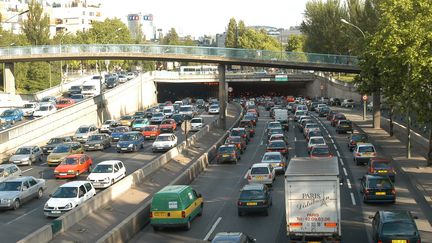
373	154
282	164
269	176
366	191
244	135
379	241
239	203
249	177
393	191
358	154
151	215
183	214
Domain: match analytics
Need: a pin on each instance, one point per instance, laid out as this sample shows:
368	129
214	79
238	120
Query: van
175	206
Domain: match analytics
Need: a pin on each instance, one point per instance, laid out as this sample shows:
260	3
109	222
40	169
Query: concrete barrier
43	234
140	217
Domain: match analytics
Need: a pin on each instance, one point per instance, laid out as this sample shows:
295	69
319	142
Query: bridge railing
234	53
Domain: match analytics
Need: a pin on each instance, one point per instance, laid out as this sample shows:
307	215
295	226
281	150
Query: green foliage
295	43
171	38
232	36
109	31
36	26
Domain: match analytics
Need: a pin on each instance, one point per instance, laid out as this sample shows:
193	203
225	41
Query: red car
320	151
168	125
64	102
73	166
381	167
151	132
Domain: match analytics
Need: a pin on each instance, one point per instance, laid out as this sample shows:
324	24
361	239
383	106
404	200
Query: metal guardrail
234	53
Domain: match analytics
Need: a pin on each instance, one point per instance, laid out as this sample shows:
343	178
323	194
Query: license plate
225	156
251	204
380	193
91	147
259	177
55	211
123	148
382	171
399	241
367	154
275	164
63	174
96	184
159	214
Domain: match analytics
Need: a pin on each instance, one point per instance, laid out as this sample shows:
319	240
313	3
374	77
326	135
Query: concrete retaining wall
328	87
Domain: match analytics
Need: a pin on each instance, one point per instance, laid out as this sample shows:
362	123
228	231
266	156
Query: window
120	165
32	182
13	169
82	191
26	185
88	186
116	168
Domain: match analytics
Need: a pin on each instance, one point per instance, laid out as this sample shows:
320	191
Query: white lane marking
212	229
338	153
349	183
22	216
332	140
334	145
44	164
345	172
341	161
245	176
29	169
353	199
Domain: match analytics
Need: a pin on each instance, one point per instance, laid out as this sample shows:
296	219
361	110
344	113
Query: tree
36	26
109	31
295	43
171	38
231	40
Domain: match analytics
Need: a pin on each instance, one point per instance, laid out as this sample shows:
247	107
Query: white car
67	197
45	109
107	173
314	141
106	126
262	173
164	142
84	132
122	78
214	109
348	103
30	108
187	110
130	76
196	124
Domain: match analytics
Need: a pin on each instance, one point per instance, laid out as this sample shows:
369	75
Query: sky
199	17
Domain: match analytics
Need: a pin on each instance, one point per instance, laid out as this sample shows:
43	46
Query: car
323	111
164	142
252	117
363	152
187	111
272	131
74	89
356	138
45	109
232	237
344	126
130	76
376	188
394	226
111	82
348	103
178	119
274	124
262	173
302	123
64	102
130	142
248	125
253	111
99	141
151	132
84	132
107	126
335	101
122	78
319	151
12	115
168	111
254	198
228	153
278	146
313	141
277	160
8	171
26	155
330	115
29	108
214	109
49	99
240	132
139	123
117	132
196	124
319	107
299	113
5	125
16	191
168	126
278	136
175	206
238	141
126	120
61	151
106	173
336	117
157	118
314	133
67	197
73	166
53	142
309	126
77	97
382	167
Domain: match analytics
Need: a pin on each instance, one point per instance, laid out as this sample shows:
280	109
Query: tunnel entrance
255	89
178	91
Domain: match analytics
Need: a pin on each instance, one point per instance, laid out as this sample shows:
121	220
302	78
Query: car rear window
226	149
278	144
259	170
317	141
398	228
382	165
382	183
271	157
252	194
320	151
366	149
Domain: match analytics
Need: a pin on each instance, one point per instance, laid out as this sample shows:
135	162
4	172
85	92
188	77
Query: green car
139	124
175	206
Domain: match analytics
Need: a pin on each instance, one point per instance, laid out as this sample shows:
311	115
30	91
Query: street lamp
18	14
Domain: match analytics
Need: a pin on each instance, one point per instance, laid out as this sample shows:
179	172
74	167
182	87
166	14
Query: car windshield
65	192
166	122
382	165
103	169
126	118
234	140
276	131
23	151
44	108
64	102
196	120
96	138
8	186
139	121
46	99
76	97
28	105
380	183
111	80
214	107
311	125
75	88
88	87
366	149
61	149
128	137
276	144
55	140
300	113
83	129
163	138
252	194
317	141
236	132
268	157
345	123
185	108
226	149
108	122
259	170
320	151
398	228
158	115
249	117
149	129
70	161
315	133
274	125
359	137
120	129
340	117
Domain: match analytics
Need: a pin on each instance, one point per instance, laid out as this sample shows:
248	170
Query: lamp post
16	15
61	61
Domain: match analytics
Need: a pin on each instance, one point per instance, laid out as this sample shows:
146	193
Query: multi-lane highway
220	185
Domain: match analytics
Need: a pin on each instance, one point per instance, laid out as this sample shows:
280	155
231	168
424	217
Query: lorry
281	115
91	87
312	200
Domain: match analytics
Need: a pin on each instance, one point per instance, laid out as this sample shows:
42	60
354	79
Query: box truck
312	200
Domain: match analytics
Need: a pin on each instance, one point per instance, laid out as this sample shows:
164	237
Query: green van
175	206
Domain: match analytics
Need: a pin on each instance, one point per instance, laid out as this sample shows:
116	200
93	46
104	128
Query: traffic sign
281	78
230	89
365	97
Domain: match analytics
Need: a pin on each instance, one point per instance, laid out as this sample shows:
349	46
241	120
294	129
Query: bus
198	69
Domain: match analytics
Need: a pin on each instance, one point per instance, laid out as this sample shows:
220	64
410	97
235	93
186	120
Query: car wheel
77	173
201	210
39	194
30	162
112	181
16	204
135	148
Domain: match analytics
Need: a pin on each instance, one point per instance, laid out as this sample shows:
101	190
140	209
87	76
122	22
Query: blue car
117	132
130	142
12	115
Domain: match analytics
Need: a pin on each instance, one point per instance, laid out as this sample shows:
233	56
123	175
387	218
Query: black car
356	138
335	101
178	118
377	188
344	126
254	198
232	237
323	112
394	226
53	142
111	82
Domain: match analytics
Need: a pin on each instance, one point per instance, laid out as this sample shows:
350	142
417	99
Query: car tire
16	204
239	213
201	210
112	182
40	193
135	148
89	169
30	162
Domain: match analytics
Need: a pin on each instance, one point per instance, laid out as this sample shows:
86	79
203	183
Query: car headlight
56	172
71	171
25	159
68	206
118	145
46	206
130	145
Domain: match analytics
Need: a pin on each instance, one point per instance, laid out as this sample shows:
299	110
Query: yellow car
126	120
62	150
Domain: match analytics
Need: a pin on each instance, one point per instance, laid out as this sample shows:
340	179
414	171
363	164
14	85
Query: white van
91	88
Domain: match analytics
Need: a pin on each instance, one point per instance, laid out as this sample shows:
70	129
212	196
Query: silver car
8	171
26	155
14	192
98	142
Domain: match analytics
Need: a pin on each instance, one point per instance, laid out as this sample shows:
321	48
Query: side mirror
199	195
24	189
50	195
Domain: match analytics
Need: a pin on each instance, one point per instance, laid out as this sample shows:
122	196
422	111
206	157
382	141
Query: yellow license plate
225	155
275	164
259	177
382	171
159	214
314	242
380	193
399	241
367	154
251	203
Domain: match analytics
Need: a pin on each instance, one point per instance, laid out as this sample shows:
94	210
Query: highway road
220	185
14	225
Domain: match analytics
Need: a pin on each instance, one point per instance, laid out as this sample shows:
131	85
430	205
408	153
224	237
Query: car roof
74	184
364	144
29	146
395	215
320	146
109	162
272	153
227	145
277	141
21	178
315	137
260	165
253	186
166	134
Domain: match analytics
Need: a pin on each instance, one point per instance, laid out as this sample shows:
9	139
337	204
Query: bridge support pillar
9	78
223	96
376	99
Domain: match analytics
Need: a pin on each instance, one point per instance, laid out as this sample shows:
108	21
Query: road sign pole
364	99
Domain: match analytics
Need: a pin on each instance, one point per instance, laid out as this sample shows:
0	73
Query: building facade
141	25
